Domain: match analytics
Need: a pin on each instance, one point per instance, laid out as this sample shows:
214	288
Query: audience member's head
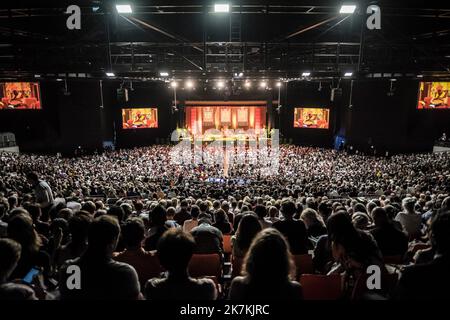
133	233
103	236
175	249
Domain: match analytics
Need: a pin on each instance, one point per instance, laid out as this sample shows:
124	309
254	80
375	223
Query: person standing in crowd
43	194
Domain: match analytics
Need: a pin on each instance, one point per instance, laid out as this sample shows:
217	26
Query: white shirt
411	222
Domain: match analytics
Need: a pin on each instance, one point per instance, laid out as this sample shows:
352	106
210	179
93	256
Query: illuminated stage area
234	120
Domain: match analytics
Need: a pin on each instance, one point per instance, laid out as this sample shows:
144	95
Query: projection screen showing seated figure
434	95
19	96
314	118
140	118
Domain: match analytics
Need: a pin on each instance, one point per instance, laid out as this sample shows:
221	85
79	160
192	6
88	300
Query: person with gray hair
410	220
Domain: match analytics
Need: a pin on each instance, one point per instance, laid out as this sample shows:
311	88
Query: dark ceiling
269	38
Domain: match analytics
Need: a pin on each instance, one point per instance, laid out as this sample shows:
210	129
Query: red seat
227	243
303	263
321	287
205	265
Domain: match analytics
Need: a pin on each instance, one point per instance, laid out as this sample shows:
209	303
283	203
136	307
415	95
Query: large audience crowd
131	223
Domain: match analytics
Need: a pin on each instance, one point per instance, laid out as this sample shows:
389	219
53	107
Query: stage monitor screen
140	118
434	95
19	96
314	118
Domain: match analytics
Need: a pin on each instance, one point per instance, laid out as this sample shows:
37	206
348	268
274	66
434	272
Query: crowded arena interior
227	151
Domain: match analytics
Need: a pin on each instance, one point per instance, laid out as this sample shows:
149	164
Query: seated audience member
361	221
170	222
77	245
208	239
158	227
293	230
4	208
222	222
89	206
204	211
175	249
9	257
182	214
35	212
410	220
267	269
314	224
354	250
133	233
114	211
430	281
323	257
226	207
102	278
249	227
193	222
261	213
390	240
20	229
273	214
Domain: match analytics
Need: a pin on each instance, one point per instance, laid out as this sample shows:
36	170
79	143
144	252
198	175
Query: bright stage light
348	9
164	74
306	74
247	84
189	84
220	84
174	84
263	84
124	8
348	74
110	74
278	84
241	74
221	8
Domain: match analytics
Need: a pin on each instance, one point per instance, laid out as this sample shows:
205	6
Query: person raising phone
9	257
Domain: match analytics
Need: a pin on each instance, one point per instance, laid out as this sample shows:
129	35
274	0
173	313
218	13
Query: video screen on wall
140	118
314	118
19	96
434	95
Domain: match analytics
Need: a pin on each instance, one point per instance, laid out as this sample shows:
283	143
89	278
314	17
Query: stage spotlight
263	84
306	74
189	84
348	9
247	84
278	84
124	8
164	74
110	74
59	79
221	8
220	84
348	74
174	84
241	74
